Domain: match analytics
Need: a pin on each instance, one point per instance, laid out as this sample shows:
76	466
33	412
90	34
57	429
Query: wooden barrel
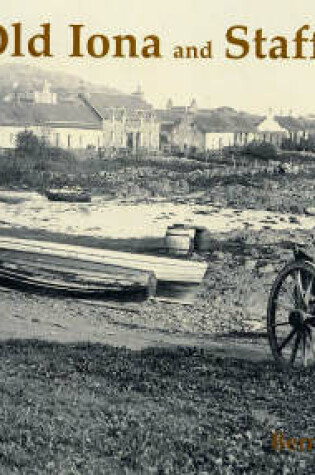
202	242
179	240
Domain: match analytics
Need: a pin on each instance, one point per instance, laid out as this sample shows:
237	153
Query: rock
310	211
267	269
285	254
218	255
250	264
254	253
294	219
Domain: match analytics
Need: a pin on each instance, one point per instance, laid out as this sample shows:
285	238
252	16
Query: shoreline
122	219
242	265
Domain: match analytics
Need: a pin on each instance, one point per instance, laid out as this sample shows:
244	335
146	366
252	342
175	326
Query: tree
28	144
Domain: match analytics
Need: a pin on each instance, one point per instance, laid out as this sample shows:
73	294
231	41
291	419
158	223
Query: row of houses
105	121
206	129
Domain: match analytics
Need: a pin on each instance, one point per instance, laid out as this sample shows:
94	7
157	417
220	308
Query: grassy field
93	409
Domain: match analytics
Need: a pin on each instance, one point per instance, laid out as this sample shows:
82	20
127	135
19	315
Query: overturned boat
84	271
73	195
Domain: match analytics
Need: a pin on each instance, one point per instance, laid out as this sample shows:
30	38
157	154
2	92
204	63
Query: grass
69	409
220	179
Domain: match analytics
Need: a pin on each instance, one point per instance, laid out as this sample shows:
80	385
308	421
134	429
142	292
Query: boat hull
84	271
68	197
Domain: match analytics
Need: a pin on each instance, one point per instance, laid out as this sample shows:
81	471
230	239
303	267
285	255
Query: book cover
156	237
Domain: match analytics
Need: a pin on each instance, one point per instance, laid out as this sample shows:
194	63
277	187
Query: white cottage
80	122
269	130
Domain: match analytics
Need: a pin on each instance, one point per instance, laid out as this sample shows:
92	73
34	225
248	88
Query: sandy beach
122	219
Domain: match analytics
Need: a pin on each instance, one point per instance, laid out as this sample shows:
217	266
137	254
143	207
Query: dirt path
26	316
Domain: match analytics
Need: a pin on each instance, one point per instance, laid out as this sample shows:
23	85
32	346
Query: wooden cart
291	312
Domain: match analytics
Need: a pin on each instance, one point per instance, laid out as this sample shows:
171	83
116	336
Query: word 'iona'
97	45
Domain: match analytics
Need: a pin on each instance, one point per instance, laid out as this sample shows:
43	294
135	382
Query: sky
248	84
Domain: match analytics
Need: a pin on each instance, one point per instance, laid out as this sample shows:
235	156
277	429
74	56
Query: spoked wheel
291	314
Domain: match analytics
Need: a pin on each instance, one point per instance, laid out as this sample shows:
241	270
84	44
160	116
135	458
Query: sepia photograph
157	237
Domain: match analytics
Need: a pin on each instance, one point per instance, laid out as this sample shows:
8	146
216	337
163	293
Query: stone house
81	121
127	121
204	129
210	130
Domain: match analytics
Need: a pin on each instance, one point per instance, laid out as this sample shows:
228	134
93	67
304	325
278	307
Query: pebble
218	255
267	269
294	219
310	211
250	264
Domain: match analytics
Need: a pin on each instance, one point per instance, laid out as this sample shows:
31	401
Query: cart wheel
291	314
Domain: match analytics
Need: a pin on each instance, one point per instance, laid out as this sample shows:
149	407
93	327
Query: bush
34	161
28	144
263	150
304	144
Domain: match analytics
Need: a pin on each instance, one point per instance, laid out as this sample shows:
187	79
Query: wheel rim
291	315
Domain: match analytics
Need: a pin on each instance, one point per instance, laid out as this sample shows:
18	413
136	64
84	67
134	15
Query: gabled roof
171	115
226	119
294	124
74	114
179	109
223	119
102	102
271	124
218	122
204	111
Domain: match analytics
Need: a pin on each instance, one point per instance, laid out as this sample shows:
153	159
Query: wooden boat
84	271
74	195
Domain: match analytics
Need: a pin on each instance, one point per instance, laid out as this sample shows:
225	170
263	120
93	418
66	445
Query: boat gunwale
163	267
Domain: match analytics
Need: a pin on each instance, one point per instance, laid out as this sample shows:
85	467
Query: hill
31	77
